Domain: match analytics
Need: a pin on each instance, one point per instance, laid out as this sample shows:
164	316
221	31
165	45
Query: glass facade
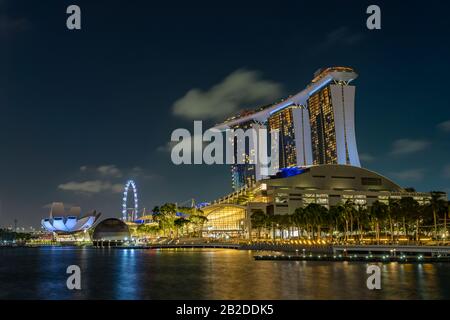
225	219
242	174
323	131
284	122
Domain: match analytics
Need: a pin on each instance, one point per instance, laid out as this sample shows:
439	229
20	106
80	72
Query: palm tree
272	222
285	222
258	220
393	214
315	214
338	214
411	210
298	219
361	218
348	214
378	212
331	219
157	216
446	214
344	213
437	205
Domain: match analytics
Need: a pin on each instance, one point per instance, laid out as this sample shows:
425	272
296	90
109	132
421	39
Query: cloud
444	126
112	172
49	205
139	173
109	171
240	88
167	147
407	146
340	36
412	174
366	157
91	187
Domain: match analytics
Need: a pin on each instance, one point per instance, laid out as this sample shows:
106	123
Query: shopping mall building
327	185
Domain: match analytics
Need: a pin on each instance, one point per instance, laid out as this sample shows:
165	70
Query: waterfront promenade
301	249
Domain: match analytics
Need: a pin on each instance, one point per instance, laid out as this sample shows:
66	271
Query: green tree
361	214
179	224
393	215
411	211
446	215
167	216
378	212
258	220
315	215
438	206
348	216
198	221
299	220
285	222
336	214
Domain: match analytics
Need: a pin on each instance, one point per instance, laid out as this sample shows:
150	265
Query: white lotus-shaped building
60	222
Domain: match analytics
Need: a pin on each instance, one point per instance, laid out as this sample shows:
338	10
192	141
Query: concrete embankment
253	246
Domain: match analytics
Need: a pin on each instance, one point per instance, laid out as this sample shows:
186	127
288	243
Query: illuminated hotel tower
295	137
245	173
332	120
316	125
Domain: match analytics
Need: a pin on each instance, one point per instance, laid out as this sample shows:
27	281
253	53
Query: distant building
111	232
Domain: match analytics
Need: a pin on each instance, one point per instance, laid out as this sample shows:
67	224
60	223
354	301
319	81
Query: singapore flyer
129	213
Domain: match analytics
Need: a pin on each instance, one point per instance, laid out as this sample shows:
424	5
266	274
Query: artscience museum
71	222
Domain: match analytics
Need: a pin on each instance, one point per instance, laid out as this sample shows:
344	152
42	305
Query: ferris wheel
129	213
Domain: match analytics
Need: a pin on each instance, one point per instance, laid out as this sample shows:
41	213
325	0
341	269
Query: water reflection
205	274
127	281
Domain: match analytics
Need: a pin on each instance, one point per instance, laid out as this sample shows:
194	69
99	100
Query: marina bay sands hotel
318	158
316	126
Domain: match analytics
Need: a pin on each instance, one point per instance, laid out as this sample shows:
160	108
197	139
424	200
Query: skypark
321	79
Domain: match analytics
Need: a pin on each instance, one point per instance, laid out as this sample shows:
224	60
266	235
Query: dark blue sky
86	110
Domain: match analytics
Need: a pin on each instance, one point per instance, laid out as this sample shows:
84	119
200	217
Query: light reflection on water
40	273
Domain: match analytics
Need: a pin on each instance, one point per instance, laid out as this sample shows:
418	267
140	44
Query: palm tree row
347	221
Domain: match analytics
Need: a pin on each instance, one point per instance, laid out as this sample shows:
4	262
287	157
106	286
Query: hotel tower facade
316	126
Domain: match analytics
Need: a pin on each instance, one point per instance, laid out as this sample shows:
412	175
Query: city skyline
134	86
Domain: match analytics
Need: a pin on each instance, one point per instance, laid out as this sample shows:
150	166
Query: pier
433	251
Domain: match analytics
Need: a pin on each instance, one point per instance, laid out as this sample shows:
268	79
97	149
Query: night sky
83	111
